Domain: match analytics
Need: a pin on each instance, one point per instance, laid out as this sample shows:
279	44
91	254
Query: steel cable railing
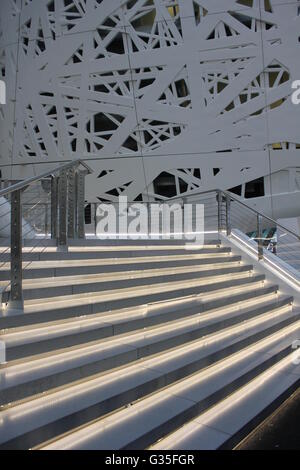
26	224
53	206
269	235
225	213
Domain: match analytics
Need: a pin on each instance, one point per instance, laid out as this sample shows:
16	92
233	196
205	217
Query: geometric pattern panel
162	97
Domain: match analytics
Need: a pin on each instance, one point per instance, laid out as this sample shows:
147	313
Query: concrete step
19	379
123	345
220	387
35	420
148	415
79	253
58	268
211	240
69	306
224	425
37	374
70	285
190	324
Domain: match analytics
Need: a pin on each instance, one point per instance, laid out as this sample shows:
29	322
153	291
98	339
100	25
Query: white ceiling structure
199	90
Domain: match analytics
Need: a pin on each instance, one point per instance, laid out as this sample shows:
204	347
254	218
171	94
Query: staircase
136	345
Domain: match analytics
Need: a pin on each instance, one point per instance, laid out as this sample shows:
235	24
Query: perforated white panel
197	89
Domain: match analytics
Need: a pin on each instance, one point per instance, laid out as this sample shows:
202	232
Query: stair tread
60	263
78	299
90	298
213	428
152	309
127	424
117	248
95	241
51	253
76	356
42	332
68	399
90	278
137	345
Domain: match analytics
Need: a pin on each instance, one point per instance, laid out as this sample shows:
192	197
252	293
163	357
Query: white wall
180	94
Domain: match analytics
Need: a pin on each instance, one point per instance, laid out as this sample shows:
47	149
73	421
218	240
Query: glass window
255	188
236	190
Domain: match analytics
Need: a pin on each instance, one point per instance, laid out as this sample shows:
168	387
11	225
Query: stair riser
33	273
169	309
170	316
58	290
83	355
176	419
243	296
245	431
81	255
179	340
186	307
24	390
184	335
106	305
115	242
193	303
182	418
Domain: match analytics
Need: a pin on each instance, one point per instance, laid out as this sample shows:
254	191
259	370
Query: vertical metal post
184	224
147	204
185	221
80	203
228	214
95	217
46	220
259	239
16	293
219	196
62	210
71	202
54	206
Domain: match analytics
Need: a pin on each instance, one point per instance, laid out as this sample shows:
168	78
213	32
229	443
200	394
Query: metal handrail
261	214
24	183
67	218
229	194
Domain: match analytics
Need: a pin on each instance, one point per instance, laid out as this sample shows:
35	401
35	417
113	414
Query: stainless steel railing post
219	199
80	202
72	203
46	219
12	295
228	215
260	239
16	292
54	207
95	217
62	239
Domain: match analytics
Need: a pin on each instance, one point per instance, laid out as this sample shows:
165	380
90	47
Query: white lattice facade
163	97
